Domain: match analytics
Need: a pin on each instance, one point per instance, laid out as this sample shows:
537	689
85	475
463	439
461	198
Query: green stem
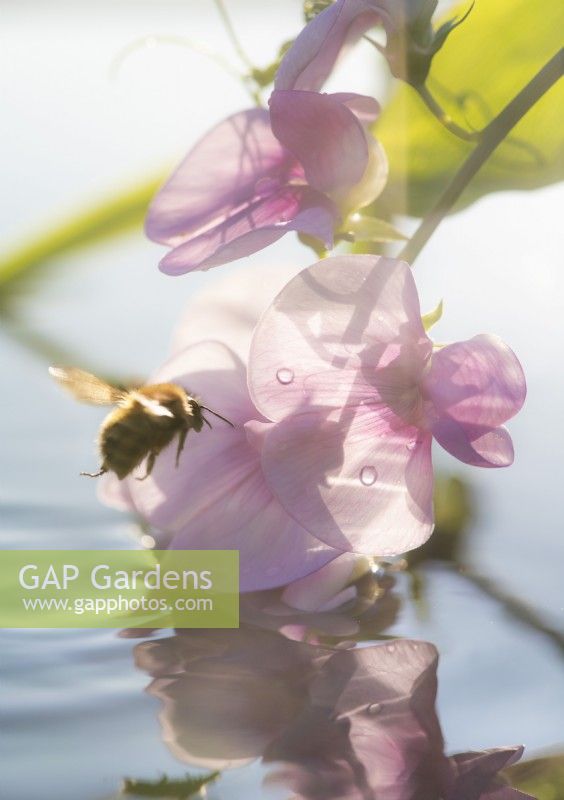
248	79
492	135
238	47
444	118
517	608
178	41
44	348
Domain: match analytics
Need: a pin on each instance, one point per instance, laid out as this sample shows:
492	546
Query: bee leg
101	471
181	441
150	465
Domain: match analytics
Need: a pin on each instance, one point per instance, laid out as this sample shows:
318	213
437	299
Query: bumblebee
146	419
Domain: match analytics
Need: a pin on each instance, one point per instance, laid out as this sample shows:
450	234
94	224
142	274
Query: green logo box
119	589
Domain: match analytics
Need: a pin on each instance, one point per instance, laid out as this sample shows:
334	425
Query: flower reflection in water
354	723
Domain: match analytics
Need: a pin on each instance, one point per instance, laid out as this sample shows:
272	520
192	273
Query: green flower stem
237	46
248	80
49	350
492	135
512	605
444	118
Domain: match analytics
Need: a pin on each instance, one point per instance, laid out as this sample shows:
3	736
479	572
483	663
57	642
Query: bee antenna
205	408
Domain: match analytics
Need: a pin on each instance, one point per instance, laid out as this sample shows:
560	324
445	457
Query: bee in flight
145	421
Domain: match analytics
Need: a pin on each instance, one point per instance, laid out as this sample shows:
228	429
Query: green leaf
432	317
113	216
168	788
481	67
264	76
314	7
370	229
541	777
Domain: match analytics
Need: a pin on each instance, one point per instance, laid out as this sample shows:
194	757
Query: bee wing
152	406
87	387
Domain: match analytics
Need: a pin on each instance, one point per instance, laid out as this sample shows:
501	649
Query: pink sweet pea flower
237	191
302	167
343	366
246	184
338	724
218	498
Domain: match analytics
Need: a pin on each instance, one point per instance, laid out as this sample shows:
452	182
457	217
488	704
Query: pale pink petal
399	678
224	171
322	590
479	381
323	134
254	227
331	330
212	372
217	498
113	492
228	309
357	483
310	60
273	549
475	444
225	694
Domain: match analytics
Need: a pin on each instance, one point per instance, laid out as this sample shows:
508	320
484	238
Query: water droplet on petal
412	445
391	648
374	708
368	476
285	376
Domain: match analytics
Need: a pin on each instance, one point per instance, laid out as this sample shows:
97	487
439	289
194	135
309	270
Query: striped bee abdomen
129	435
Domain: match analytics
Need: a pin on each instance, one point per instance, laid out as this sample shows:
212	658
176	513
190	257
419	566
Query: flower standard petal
341	363
330	329
346	458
